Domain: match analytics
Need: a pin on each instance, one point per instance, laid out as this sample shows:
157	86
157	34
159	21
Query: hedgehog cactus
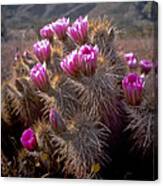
68	105
141	110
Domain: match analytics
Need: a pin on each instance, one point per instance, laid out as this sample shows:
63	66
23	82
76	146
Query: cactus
64	107
141	111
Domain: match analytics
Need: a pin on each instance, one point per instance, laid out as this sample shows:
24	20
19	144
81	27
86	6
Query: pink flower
47	31
133	85
129	56
78	31
82	61
60	27
88	57
39	75
56	120
131	60
42	50
145	66
70	64
28	139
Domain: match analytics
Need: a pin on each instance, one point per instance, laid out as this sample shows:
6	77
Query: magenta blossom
82	61
39	76
47	31
145	66
28	139
88	57
131	60
42	50
129	56
56	120
78	31
60	27
133	85
70	64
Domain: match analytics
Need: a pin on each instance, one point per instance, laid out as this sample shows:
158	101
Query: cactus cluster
69	101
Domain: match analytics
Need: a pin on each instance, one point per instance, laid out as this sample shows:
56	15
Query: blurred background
135	22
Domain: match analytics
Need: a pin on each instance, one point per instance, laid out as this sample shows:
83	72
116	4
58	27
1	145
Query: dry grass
142	47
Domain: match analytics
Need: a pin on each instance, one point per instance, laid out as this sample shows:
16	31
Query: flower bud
28	139
39	76
42	50
56	120
79	30
47	31
60	27
133	85
17	56
26	54
131	60
70	64
145	66
88	57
